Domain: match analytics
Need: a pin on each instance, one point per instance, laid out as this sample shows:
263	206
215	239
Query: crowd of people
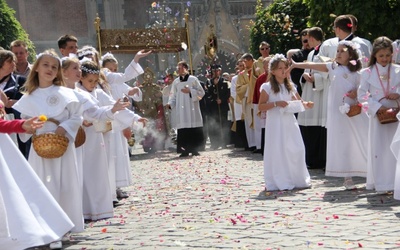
60	96
332	104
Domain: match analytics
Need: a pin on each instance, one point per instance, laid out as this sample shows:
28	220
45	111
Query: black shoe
184	155
257	151
195	153
116	204
250	149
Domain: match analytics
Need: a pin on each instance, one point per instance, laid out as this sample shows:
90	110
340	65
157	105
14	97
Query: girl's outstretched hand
141	54
119	105
30	125
292	66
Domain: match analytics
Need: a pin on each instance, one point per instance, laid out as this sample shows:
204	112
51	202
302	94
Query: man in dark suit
299	55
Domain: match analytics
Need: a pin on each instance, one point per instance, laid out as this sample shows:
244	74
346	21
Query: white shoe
56	245
66	237
349	184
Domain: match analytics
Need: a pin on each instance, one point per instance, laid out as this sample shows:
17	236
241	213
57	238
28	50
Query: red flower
349	25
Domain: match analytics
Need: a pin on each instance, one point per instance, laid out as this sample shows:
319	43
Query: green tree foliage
11	29
279	24
375	17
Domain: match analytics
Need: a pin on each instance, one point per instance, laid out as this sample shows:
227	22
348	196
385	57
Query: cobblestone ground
214	201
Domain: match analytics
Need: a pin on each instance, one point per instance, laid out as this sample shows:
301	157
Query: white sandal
56	245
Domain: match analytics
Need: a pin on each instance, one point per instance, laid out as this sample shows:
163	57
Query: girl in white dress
346	136
46	95
29	215
71	68
380	87
119	89
116	145
284	155
98	189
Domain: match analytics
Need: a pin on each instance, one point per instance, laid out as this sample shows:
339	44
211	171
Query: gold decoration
211	46
132	40
148	76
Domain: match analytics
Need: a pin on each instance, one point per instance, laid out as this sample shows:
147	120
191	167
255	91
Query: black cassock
217	114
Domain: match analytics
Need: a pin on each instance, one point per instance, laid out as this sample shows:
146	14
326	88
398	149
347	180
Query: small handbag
355	109
388	115
80	137
295	106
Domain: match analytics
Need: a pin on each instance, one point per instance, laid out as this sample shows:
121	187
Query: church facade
46	20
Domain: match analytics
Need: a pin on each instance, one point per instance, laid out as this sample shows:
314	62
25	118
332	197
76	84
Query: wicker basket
355	109
50	145
80	137
388	115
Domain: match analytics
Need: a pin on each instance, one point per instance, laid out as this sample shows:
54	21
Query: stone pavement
213	201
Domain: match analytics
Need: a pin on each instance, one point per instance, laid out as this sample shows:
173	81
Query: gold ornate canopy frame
159	40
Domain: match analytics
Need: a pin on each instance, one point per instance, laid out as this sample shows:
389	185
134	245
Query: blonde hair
67	61
32	82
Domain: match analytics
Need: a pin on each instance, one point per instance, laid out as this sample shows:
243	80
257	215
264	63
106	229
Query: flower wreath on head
276	57
87	70
85	52
108	55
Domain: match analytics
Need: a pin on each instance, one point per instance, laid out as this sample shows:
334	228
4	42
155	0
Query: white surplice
59	175
284	158
381	161
187	106
315	93
29	215
347	142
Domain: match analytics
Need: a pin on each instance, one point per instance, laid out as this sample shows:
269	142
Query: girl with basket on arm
45	95
380	88
346	154
29	214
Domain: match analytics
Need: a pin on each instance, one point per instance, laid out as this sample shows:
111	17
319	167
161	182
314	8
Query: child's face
342	55
47	68
279	71
8	66
90	81
112	66
383	56
73	72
